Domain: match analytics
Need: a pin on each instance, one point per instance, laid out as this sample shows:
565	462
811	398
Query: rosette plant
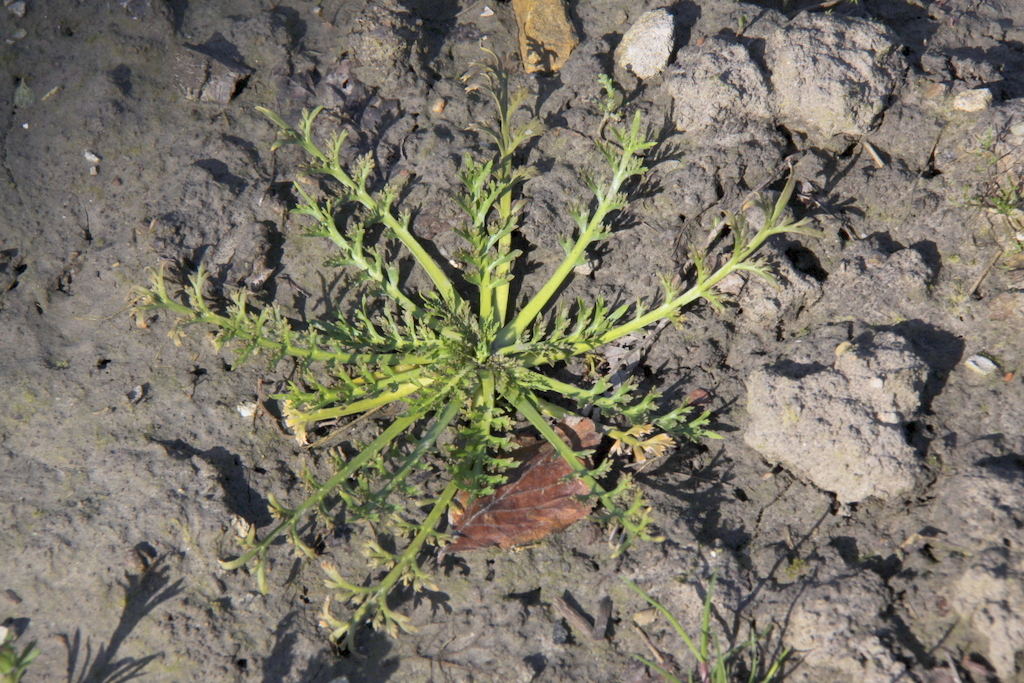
462	359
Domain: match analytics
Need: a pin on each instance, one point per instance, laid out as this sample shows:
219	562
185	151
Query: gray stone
204	79
990	598
831	625
978	99
717	88
833	75
647	45
382	43
840	428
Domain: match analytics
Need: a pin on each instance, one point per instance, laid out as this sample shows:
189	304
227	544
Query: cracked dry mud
867	496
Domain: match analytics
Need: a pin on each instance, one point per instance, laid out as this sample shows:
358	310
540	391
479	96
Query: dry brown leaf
539	498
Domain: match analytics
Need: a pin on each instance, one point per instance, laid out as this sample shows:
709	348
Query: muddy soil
865	501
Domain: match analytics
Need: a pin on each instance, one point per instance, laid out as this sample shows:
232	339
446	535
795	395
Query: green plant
12	664
462	360
714	666
1001	193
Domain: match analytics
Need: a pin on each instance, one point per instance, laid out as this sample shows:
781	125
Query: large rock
841	428
382	41
719	93
832	75
833	627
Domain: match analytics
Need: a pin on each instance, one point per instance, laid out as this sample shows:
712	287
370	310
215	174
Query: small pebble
980	365
645	617
17	8
23	95
979	99
646	47
936	91
246	409
585	269
889	417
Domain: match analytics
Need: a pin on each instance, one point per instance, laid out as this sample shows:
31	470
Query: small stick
601	619
874	155
469	8
984	273
650	646
952	668
331	438
595	631
261	402
294	285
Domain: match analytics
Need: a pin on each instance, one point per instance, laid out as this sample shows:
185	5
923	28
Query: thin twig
952	668
650	646
581	623
334	436
984	273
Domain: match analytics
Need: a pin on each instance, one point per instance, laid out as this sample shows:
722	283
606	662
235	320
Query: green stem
367	403
671	619
671	308
408	556
569	391
343	357
504	244
205	315
357	191
358	257
528	406
399	227
395	430
609	201
428	440
487	301
358	388
485	395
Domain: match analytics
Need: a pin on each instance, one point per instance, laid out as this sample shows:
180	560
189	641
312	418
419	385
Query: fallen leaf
539	498
698	397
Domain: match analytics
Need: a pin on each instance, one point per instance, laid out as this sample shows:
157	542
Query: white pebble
980	365
647	45
246	409
979	99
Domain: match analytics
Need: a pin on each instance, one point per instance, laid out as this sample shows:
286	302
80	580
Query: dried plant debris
541	497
